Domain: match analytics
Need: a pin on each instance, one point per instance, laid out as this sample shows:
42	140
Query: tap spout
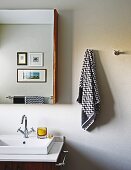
22	120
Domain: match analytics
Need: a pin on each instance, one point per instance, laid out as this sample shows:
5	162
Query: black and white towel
88	90
19	100
34	100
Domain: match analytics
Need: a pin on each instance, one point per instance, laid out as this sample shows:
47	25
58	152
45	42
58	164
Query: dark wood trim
55	53
27	165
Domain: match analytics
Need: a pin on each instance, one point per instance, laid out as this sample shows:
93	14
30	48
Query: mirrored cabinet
28	56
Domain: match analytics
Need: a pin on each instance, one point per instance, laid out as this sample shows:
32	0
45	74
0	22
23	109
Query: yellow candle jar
41	132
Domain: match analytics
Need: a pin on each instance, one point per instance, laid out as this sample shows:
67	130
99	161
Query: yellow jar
41	132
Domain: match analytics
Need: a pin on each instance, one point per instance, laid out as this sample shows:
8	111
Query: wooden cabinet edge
11	165
55	53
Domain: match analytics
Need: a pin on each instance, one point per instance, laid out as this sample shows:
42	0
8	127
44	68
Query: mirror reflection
27	56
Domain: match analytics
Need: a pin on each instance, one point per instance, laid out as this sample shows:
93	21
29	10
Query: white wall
104	26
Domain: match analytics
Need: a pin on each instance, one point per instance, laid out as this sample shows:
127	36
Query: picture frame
31	75
36	59
21	58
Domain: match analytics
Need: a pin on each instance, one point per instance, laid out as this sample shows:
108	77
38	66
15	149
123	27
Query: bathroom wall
103	26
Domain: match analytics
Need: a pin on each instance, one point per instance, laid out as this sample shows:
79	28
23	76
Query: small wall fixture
117	52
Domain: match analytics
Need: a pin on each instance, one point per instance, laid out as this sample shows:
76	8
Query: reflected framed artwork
21	58
36	59
31	75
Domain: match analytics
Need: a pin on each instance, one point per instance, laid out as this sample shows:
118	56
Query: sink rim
23	148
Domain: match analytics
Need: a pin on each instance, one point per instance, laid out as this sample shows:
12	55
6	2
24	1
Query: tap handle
19	129
33	130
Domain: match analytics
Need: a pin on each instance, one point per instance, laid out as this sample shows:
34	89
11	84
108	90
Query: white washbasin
13	144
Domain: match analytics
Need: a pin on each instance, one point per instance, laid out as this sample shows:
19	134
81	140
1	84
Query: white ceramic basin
12	144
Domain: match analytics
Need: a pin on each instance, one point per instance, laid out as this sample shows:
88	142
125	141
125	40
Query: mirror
28	52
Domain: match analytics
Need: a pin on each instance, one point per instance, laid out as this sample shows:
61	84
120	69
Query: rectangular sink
17	145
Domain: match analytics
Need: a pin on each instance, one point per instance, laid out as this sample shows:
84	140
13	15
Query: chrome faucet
25	132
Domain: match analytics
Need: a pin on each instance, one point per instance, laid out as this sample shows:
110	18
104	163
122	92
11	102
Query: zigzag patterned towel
88	91
34	100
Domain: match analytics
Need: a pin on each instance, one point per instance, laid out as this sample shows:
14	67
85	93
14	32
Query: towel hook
117	52
9	97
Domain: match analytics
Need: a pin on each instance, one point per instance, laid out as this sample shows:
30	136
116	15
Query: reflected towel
34	100
19	99
88	91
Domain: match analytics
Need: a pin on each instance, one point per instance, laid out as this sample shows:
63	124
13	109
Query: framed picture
31	75
21	58
36	59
